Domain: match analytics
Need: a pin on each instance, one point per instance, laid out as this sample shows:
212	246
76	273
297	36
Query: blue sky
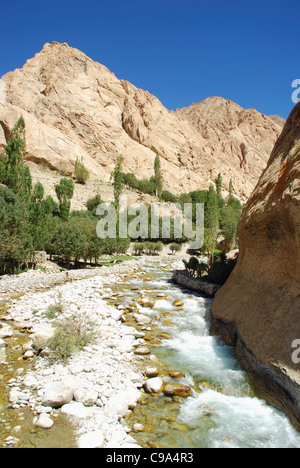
180	51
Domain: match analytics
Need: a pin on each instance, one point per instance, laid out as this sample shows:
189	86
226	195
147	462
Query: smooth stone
42	335
142	351
57	394
44	422
6	331
171	389
94	439
152	372
154	385
142	319
147	303
176	374
178	303
138	427
30	381
165	336
75	409
86	397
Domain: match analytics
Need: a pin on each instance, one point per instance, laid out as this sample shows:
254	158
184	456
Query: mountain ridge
75	108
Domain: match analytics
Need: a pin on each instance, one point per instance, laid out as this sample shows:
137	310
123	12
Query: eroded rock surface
258	309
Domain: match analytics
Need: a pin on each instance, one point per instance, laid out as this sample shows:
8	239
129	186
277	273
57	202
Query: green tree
39	210
64	192
219	183
118	180
15	238
157	176
13	172
212	211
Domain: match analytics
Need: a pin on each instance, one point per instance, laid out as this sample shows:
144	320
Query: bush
167	196
71	335
220	271
175	248
81	174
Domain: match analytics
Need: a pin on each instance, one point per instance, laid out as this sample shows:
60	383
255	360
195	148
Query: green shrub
71	335
55	309
81	174
175	248
167	196
220	271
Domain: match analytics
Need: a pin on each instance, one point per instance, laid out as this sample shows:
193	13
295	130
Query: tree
64	192
118	180
212	211
13	172
219	183
15	238
39	211
157	176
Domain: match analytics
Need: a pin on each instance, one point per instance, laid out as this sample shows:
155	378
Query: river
223	410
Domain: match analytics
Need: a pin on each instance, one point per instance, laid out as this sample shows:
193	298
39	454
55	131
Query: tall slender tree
117	176
157	176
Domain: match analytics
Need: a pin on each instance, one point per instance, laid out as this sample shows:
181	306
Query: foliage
167	196
81	174
147	248
15	239
220	270
117	176
157	176
71	335
174	247
64	192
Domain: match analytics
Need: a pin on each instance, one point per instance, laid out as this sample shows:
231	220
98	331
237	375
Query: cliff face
258	309
76	108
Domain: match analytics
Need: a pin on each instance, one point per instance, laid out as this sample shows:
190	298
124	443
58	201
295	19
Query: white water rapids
227	413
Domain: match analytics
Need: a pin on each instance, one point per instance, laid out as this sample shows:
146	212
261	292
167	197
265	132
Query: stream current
223	410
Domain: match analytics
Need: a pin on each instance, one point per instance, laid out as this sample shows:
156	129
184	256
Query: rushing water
223	410
226	412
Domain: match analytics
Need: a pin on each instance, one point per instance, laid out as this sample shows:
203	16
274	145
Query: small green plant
55	309
81	174
175	248
71	335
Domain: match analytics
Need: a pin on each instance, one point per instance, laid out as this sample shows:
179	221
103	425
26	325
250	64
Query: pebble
95	387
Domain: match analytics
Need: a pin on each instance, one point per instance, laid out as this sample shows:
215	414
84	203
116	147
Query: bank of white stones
95	387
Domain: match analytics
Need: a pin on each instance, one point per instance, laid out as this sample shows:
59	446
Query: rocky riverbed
95	388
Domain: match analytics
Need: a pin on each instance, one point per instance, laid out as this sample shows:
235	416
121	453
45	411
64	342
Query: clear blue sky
180	51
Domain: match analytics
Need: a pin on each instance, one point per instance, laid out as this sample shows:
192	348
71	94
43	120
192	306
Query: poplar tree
157	176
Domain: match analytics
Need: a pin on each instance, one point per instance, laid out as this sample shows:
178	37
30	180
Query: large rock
94	439
57	394
41	336
258	309
6	331
76	108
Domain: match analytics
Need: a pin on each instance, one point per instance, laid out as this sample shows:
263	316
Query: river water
224	410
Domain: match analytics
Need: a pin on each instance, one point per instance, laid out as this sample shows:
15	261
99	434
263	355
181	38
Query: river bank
182	278
96	387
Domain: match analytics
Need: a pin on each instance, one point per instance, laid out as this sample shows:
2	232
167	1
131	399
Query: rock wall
258	309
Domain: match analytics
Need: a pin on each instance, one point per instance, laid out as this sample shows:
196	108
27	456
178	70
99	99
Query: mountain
277	119
76	108
258	309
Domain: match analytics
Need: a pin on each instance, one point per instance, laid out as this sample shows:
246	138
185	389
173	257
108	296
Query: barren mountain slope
76	108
